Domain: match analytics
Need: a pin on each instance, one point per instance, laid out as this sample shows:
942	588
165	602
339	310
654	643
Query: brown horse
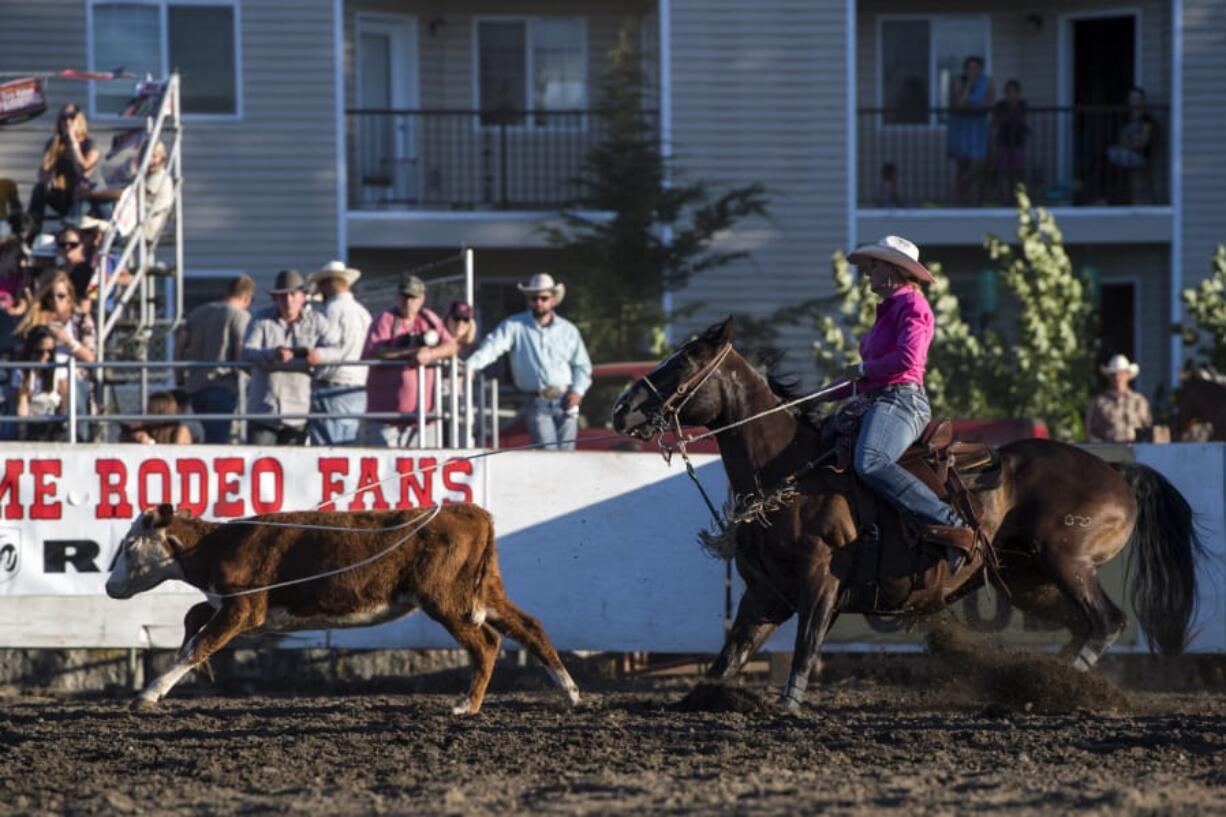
1201	401
1058	514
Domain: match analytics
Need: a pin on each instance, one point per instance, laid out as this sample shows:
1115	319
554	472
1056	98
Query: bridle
667	416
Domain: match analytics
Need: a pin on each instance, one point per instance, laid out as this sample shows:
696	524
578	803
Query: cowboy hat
43	246
87	222
335	269
543	282
1121	363
288	280
893	250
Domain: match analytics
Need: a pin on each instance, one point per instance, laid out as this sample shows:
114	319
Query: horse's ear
720	333
163	515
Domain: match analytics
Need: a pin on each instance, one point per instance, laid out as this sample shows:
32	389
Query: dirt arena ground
871	745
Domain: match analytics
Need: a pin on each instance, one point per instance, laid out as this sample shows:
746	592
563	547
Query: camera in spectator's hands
300	351
416	340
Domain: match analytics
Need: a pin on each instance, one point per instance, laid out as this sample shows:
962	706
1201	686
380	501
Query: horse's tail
1165	546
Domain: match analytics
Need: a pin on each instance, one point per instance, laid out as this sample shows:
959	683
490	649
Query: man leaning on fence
215	332
549	361
284	342
414	335
340	390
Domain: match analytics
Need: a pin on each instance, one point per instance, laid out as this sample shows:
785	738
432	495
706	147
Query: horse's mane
786	386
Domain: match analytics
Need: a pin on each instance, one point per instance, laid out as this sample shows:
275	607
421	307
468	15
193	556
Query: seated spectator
887	194
462	324
159	193
412	334
54	306
39	392
10	201
14	266
152	432
93	232
70	168
1133	150
1010	132
75	258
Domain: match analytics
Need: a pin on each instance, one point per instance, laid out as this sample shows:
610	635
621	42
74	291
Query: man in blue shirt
548	361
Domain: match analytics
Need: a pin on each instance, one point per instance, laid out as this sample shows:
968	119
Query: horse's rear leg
818	600
1102	620
757	616
514	623
221	627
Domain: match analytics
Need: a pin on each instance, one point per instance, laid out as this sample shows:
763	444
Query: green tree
1048	372
1206	306
651	236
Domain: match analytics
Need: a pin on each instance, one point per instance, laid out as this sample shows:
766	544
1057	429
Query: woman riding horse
891	379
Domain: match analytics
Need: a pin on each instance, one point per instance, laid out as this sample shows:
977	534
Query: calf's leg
481	644
227	622
504	616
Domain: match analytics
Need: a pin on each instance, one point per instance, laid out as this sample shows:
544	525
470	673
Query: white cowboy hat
335	269
87	222
1121	363
43	246
893	250
543	282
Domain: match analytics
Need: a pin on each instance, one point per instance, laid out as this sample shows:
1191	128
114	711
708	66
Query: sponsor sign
64	511
21	100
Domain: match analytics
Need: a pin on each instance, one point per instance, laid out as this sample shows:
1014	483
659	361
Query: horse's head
147	555
683	386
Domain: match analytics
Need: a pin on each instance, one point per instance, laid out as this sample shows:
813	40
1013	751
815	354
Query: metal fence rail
905	161
468	423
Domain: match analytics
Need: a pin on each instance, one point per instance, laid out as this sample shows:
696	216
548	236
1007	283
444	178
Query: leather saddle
894	569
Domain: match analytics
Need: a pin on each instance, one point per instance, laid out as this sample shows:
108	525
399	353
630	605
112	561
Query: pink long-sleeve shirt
895	350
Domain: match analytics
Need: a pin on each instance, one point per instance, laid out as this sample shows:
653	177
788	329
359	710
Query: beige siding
758	93
1143	265
1204	161
259	192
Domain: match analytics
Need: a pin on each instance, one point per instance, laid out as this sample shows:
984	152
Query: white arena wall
600	546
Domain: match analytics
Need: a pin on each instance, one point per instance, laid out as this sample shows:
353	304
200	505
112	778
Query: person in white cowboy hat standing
894	355
548	361
339	390
1117	414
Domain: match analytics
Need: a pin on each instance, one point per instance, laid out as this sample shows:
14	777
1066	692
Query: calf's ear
163	515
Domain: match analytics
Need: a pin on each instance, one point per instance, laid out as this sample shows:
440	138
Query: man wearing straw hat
340	390
548	361
1117	414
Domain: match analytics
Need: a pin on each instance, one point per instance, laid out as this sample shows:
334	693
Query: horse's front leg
758	615
819	590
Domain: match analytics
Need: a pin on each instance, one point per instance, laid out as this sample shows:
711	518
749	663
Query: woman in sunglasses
39	392
69	168
55	307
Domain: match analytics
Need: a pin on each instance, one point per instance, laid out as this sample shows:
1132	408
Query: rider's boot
959	542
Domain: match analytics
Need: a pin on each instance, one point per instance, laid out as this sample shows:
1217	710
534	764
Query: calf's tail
485	540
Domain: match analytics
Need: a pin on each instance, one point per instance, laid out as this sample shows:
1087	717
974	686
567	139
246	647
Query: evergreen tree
655	237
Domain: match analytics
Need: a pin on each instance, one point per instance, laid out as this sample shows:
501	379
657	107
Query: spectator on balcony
1131	155
887	194
215	332
70	167
461	322
1119	413
340	390
164	432
414	335
1009	134
549	362
284	342
973	97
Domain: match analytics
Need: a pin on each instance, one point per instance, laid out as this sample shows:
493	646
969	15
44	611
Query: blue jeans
548	423
336	400
896	419
215	400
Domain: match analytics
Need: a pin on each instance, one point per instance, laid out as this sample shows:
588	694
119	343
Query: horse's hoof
789	706
143	705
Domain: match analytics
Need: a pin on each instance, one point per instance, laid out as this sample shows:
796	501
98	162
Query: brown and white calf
448	568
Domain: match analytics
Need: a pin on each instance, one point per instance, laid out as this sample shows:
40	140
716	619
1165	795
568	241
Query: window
535	64
197	40
920	58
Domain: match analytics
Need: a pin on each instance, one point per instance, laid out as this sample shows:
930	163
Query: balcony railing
468	160
1067	157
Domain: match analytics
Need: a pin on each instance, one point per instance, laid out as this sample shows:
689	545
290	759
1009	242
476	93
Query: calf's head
146	555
